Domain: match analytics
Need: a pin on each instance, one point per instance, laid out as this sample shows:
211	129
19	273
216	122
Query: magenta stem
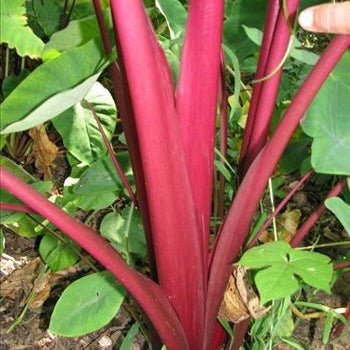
15	207
112	155
341	265
279	208
148	295
315	215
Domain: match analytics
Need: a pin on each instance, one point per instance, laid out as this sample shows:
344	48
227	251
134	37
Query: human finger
327	18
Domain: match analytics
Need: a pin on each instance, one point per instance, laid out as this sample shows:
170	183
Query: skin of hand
327	18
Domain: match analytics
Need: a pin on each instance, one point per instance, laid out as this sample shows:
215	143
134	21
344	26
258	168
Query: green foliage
2	241
52	88
127	343
102	177
86	305
327	122
78	127
12	81
342	211
279	265
125	231
15	32
58	253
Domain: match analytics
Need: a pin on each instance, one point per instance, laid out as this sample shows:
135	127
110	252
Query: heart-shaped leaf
87	305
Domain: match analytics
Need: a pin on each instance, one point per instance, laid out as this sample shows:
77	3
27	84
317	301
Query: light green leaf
102	177
129	339
15	32
175	16
341	210
125	232
79	129
255	35
52	88
87	305
58	254
280	266
327	121
95	201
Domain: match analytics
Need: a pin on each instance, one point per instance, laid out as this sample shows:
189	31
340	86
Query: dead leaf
240	300
21	280
44	150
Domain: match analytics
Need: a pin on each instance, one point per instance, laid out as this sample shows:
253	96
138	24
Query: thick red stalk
196	102
338	330
112	155
240	330
341	265
15	207
273	11
238	220
149	296
122	96
174	225
315	215
279	208
269	90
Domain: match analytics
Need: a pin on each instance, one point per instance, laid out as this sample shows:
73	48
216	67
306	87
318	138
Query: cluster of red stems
170	134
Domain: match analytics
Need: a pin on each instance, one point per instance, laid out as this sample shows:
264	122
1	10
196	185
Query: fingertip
306	19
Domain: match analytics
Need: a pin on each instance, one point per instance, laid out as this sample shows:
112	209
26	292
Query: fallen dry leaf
240	300
44	150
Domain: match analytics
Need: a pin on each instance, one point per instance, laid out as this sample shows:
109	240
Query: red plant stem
112	155
279	208
148	295
315	215
273	10
175	230
196	102
341	265
338	330
265	104
240	330
238	220
122	96
15	207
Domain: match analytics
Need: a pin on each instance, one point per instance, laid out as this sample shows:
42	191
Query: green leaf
327	122
328	324
79	129
255	35
15	32
52	88
250	13
341	210
175	16
96	201
2	242
12	81
102	177
87	305
125	231
280	265
58	254
77	33
48	13
129	339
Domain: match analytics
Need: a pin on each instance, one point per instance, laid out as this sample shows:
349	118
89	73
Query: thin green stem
325	245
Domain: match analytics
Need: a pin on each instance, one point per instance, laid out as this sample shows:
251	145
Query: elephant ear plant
170	132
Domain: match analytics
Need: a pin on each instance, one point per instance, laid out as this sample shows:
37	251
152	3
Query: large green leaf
87	305
79	129
77	33
341	210
52	88
15	32
328	122
245	12
280	265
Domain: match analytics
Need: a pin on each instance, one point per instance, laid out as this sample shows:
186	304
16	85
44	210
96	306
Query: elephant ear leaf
15	30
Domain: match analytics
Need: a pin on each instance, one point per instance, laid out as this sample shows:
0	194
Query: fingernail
306	19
